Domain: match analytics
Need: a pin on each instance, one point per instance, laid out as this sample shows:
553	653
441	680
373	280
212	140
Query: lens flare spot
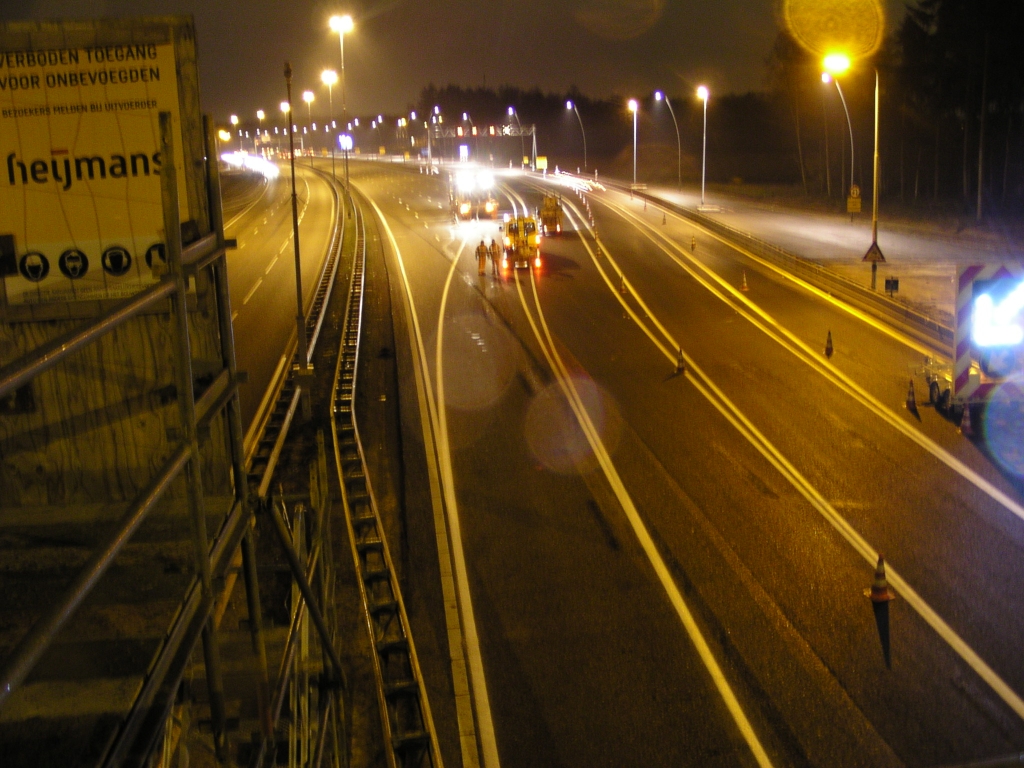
854	27
1004	425
554	435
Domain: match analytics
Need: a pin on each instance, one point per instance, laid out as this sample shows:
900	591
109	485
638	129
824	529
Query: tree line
951	118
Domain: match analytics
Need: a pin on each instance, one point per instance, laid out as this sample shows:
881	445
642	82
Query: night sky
605	47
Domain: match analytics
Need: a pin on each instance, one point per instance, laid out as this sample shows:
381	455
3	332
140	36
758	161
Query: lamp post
342	25
572	106
346	144
260	114
286	109
234	125
634	108
308	96
329	77
703	93
679	144
835	65
300	317
522	145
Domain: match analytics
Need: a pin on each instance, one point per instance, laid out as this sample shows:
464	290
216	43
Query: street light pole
342	25
329	77
703	94
300	316
571	105
679	144
874	254
522	144
835	65
634	108
260	114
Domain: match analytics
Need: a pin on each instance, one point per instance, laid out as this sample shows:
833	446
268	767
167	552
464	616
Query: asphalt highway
261	271
659	564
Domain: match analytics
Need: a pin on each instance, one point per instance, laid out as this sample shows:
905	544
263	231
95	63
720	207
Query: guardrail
921	327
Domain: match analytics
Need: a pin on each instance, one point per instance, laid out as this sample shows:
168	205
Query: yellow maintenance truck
522	243
550	215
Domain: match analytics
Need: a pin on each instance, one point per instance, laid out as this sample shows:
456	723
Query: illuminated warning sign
989	337
80	205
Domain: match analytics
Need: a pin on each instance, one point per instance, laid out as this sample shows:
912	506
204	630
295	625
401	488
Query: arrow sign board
80	201
998	317
989	333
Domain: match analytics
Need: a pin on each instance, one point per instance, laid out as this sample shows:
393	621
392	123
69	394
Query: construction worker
481	257
495	252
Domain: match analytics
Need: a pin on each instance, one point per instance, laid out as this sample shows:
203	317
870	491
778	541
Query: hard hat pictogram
73	264
116	260
34	266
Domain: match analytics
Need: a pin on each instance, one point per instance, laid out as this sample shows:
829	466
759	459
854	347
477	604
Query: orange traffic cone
693	243
622	284
680	364
828	345
880	591
664	218
966	427
743	285
911	399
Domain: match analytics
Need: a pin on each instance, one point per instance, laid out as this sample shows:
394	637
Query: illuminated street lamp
572	106
658	96
307	96
836	64
703	93
634	108
234	124
346	145
260	114
329	77
522	142
342	25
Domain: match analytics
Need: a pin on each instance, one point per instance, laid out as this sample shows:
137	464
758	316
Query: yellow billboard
80	205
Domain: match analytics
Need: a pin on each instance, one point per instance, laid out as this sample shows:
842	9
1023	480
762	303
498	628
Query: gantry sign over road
80	210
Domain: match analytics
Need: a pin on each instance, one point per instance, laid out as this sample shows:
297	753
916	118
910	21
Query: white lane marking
241	213
864	317
571	394
788	471
270	266
803	352
252	291
470	641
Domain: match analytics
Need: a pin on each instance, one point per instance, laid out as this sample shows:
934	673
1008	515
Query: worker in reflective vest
481	257
495	252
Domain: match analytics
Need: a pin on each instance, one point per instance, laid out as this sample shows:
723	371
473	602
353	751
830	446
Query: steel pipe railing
48	355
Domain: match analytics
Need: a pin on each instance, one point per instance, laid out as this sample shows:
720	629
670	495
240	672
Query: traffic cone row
828	346
880	591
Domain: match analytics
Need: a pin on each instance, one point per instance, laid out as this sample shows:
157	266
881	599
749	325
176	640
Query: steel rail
409	733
